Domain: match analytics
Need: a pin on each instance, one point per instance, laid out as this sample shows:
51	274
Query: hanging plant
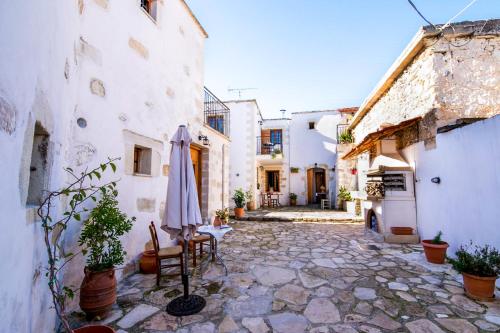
294	170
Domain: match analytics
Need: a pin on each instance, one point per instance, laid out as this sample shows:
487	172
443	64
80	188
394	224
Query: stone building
81	81
446	78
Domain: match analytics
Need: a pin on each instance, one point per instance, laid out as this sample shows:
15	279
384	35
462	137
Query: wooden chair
171	252
272	202
197	239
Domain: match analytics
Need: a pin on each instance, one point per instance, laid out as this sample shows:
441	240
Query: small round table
216	234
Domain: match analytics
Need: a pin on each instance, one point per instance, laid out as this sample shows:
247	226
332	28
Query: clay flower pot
239	212
251	205
94	329
147	263
402	231
478	287
293	202
217	222
98	292
435	253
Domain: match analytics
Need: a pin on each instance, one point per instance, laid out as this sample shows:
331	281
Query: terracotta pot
239	212
217	221
98	292
94	329
402	231
147	263
251	205
478	287
435	253
293	202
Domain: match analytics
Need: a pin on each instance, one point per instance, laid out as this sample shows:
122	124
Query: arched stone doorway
371	221
317	187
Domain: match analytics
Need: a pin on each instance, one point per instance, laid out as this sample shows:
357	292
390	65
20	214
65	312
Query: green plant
223	214
79	191
344	194
437	239
239	198
249	195
294	170
292	196
275	152
100	236
483	261
346	137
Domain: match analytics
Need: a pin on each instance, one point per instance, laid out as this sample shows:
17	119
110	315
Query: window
38	166
275	136
150	6
216	122
273	181
312	125
142	160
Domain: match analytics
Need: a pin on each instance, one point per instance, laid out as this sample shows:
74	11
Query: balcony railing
266	147
216	113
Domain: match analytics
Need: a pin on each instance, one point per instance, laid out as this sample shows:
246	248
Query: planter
98	292
293	202
251	205
217	222
402	231
147	263
94	329
435	253
478	287
239	212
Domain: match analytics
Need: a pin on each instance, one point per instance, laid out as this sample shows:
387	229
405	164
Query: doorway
273	181
316	185
196	159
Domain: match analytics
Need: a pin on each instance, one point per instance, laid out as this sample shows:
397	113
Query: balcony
269	152
216	113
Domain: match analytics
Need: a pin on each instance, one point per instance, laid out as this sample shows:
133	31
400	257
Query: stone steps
294	219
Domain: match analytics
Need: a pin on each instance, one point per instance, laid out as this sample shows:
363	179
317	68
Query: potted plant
250	201
293	199
354	171
239	201
346	137
221	217
294	170
100	240
479	269
275	153
78	192
435	249
343	196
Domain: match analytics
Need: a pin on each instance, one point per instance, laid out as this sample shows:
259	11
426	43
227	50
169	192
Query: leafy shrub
294	170
483	261
223	214
100	236
437	239
239	198
292	196
249	195
344	194
346	137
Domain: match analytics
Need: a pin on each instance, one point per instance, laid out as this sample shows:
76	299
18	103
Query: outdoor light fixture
436	180
315	165
205	140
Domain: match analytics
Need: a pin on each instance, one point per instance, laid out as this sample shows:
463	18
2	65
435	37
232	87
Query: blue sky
313	54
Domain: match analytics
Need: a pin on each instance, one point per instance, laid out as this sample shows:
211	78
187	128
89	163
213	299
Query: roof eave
203	31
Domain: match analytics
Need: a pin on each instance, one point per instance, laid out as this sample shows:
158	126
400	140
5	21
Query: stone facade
94	93
450	78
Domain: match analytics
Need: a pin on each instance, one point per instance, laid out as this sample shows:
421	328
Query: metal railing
266	147
216	113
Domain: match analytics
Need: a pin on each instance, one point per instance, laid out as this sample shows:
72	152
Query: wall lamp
204	139
436	180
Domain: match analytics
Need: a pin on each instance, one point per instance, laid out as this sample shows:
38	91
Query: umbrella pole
185	275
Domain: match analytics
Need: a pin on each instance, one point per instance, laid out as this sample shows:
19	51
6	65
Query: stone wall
450	79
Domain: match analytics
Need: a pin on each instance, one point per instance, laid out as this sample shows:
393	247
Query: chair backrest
154	238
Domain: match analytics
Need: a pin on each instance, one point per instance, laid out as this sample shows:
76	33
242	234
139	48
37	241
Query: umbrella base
182	306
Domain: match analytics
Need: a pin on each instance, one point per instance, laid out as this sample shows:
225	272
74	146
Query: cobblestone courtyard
309	277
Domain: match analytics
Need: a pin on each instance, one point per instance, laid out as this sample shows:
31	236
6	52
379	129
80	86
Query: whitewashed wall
146	77
308	147
245	117
464	206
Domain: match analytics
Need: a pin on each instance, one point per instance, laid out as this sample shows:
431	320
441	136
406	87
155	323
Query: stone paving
310	213
309	277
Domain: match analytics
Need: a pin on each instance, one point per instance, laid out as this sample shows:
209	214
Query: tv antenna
239	90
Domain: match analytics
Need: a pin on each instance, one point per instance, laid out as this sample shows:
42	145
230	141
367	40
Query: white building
81	81
284	155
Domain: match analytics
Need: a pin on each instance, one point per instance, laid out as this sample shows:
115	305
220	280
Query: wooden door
196	158
310	186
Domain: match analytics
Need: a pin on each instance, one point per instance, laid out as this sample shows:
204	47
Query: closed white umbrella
182	210
182	214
